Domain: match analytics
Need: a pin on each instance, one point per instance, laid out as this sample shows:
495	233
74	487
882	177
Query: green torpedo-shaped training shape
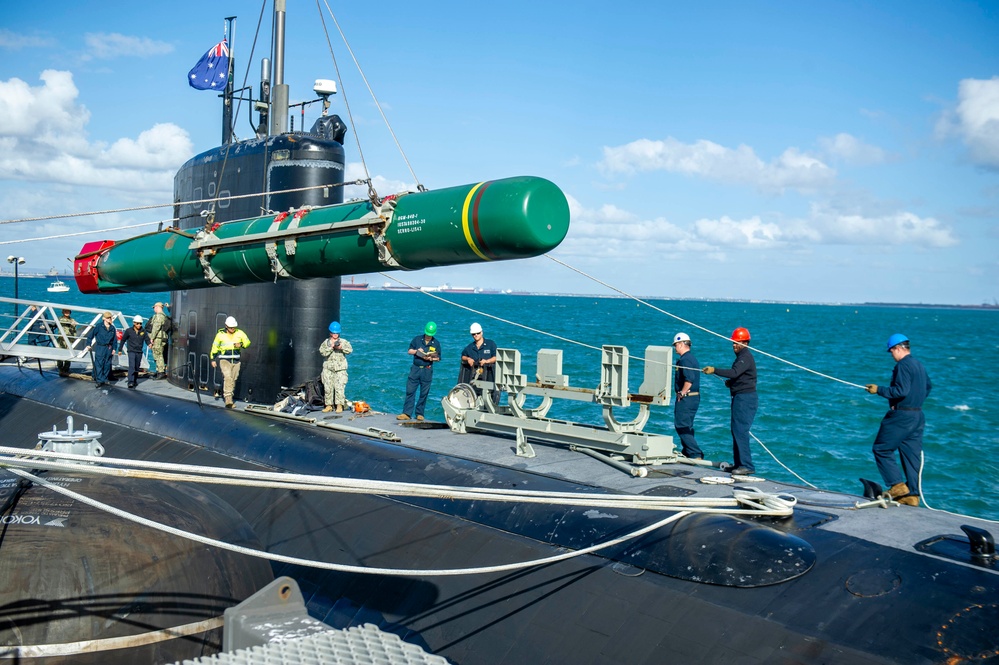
496	220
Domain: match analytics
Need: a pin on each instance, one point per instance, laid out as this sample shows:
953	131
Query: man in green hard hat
426	350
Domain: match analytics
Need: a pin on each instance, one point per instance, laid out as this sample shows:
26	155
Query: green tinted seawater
822	429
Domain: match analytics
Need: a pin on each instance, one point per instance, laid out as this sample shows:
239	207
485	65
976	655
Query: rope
108	643
343	90
699	327
364	78
786	468
179	203
81	233
263	479
344	568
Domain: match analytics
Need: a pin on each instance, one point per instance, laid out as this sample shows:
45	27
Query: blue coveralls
687	370
102	339
902	427
742	385
421	373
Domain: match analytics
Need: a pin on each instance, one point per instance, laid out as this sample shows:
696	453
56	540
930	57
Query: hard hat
159	304
476	328
136	319
335	327
896	339
740	335
681	337
430	328
230	322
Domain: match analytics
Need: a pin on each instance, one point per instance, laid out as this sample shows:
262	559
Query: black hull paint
847	609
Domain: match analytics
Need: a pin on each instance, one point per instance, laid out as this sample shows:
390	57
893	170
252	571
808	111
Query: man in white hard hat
478	360
226	353
687	385
134	338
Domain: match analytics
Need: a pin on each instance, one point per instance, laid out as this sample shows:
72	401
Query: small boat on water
58	286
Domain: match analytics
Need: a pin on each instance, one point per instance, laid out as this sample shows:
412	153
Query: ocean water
819	427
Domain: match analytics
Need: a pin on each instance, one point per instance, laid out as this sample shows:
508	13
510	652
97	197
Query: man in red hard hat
741	383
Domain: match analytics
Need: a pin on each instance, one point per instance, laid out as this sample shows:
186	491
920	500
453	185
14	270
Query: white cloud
976	120
852	150
43	131
610	232
104	46
13	41
384	186
895	228
793	169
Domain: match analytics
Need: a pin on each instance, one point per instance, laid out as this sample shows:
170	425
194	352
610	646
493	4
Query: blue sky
824	152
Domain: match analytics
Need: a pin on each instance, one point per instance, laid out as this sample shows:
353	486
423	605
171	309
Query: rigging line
492	316
372	93
346	568
82	233
786	468
246	74
153	206
515	324
343	89
699	327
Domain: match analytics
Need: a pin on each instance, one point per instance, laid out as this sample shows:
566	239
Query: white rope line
108	643
492	316
786	468
179	203
371	92
83	233
249	478
699	327
344	568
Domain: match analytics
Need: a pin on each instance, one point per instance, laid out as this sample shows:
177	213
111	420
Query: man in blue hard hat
335	350
426	350
902	427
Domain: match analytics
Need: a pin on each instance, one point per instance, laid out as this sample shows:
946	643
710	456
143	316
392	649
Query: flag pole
230	36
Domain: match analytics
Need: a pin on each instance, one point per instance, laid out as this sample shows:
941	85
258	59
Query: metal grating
362	645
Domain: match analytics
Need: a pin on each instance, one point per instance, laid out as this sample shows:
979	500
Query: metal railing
38	334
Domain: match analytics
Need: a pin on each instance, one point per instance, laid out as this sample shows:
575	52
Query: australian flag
212	71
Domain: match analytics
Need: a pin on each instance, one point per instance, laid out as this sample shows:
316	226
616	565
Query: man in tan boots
902	427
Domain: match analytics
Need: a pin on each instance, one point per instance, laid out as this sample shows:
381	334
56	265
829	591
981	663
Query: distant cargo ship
353	286
389	286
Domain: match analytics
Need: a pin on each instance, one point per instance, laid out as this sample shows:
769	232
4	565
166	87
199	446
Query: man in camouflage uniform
335	351
69	330
158	336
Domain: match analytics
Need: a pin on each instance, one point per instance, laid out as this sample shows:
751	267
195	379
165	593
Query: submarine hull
632	605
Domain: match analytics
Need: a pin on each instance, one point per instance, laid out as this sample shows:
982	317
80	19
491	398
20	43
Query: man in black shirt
741	383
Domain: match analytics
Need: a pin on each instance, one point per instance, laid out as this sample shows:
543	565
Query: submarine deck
898	527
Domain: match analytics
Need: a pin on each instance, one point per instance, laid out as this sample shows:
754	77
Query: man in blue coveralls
741	383
426	350
687	385
902	427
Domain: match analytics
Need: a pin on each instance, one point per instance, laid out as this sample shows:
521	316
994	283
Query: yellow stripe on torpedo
464	222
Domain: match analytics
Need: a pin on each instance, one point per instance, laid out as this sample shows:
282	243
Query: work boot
911	500
228	405
339	408
327	408
402	416
897	490
419	417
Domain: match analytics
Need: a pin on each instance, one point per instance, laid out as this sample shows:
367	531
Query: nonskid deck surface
900	527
